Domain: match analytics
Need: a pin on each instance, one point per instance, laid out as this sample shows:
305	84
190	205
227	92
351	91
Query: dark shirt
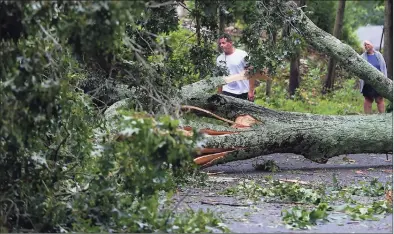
373	60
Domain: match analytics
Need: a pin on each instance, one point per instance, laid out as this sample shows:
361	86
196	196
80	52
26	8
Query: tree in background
330	77
388	37
295	79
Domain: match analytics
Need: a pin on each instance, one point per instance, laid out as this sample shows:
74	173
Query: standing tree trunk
294	82
330	78
222	18
268	83
381	41
198	22
388	37
268	87
295	77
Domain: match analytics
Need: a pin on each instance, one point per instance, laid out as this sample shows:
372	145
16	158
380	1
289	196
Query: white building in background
373	33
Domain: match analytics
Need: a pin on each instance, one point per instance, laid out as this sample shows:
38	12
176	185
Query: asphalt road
266	217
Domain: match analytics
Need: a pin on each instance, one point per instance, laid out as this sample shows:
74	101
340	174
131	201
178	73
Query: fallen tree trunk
316	137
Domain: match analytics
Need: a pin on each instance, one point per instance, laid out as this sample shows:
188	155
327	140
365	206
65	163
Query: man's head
226	44
368	46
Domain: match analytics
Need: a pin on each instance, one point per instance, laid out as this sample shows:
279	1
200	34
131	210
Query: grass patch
345	99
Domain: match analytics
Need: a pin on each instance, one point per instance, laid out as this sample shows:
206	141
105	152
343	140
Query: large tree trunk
330	78
316	137
388	37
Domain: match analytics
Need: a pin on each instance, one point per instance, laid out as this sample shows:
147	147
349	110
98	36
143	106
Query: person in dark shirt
375	59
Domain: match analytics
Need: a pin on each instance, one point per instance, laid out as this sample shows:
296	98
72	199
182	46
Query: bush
131	180
60	167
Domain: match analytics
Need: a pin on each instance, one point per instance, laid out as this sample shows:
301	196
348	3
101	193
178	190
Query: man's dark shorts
241	96
369	92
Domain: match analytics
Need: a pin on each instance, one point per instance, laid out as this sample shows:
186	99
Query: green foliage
60	167
293	192
321	13
389	107
367	212
357	13
177	64
361	13
45	129
268	165
280	41
373	189
131	180
159	151
275	189
186	61
320	201
303	219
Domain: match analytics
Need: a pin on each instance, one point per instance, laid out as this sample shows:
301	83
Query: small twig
222	203
184	6
60	144
288	202
176	206
147	43
49	35
9	210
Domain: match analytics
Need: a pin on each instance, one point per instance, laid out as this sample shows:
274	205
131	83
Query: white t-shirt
235	63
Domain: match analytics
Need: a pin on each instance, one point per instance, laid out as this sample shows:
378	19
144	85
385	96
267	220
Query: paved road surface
265	217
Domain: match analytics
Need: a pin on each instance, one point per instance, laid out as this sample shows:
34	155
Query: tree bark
295	77
222	19
198	21
330	78
268	87
316	137
268	83
388	37
294	81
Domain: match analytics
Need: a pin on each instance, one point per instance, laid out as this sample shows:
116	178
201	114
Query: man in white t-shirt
234	60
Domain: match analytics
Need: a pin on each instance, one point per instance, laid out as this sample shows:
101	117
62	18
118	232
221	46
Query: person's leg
380	103
368	105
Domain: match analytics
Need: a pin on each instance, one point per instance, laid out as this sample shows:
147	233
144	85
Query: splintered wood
208	155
